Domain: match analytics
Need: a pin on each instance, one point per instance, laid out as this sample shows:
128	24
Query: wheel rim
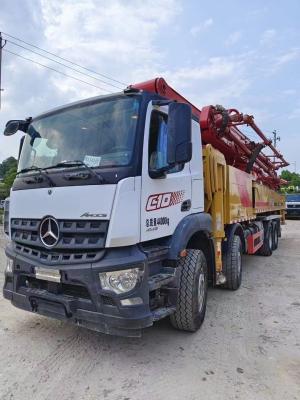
201	290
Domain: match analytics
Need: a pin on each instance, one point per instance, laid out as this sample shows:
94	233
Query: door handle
186	205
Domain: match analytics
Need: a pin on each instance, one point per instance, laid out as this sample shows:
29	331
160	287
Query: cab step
162	312
157	281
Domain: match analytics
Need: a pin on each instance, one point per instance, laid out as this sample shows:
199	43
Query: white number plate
47	274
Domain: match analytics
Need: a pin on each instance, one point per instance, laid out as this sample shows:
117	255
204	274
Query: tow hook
34	305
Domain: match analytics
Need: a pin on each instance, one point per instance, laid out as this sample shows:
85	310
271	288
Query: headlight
9	265
121	281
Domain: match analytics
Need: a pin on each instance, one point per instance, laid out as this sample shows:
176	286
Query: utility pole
2	44
276	138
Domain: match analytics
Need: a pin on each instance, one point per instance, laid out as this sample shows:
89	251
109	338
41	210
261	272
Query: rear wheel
275	236
266	249
232	264
192	295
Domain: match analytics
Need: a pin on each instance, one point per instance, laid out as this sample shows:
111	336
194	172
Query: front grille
293	206
73	234
79	241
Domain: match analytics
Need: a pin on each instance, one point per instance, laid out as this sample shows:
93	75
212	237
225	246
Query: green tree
10	177
3	191
286	175
292	178
8	170
6	165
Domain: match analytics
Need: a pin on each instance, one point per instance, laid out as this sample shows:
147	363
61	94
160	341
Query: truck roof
75	103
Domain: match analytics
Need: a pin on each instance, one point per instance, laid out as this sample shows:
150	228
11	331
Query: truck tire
192	294
279	229
266	249
275	236
232	265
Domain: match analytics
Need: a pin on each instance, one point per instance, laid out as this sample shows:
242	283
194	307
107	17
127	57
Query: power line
53	69
64	59
2	44
64	65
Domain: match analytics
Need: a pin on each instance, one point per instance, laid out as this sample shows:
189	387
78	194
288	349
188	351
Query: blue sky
239	54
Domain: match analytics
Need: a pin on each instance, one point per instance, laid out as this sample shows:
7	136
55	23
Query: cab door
166	200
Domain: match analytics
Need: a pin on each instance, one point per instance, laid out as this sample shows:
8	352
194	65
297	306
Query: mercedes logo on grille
49	232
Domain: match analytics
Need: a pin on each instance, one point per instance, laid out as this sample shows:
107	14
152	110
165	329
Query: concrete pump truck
126	207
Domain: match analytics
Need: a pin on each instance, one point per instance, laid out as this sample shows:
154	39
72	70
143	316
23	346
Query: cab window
158	139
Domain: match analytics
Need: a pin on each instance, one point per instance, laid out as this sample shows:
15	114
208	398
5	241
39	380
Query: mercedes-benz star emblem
49	232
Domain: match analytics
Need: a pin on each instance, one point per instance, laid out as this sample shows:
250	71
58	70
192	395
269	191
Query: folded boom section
221	128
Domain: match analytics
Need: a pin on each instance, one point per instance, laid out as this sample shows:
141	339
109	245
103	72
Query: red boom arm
220	128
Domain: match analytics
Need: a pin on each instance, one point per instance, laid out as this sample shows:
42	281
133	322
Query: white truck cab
108	196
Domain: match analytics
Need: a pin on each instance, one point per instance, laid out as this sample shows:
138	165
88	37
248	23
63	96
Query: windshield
100	134
293	197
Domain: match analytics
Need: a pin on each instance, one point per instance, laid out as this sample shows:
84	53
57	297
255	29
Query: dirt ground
247	348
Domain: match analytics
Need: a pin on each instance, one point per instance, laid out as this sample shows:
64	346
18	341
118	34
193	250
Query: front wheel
192	292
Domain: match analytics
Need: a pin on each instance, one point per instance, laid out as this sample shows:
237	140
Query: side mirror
179	148
14	126
11	128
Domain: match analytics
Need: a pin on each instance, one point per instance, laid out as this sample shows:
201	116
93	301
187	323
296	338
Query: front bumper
79	297
293	212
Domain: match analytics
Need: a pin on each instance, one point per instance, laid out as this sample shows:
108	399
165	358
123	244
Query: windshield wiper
77	163
41	171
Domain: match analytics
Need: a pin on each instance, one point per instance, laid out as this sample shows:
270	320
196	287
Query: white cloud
259	11
289	92
268	37
275	63
134	41
233	38
216	67
290	55
220	80
203	26
116	38
295	114
111	34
